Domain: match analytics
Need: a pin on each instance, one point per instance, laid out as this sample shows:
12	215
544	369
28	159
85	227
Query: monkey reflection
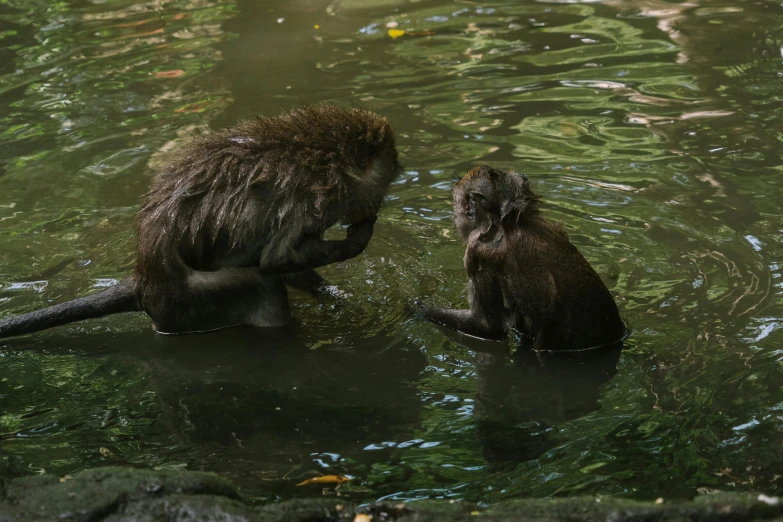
241	212
263	408
523	397
519	404
525	275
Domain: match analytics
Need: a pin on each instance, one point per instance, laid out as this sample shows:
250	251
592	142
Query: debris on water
396	33
593	466
169	74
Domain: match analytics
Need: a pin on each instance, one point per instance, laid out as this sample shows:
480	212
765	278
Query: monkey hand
418	308
359	236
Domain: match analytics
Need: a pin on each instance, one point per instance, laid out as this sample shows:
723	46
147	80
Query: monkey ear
513	208
516	207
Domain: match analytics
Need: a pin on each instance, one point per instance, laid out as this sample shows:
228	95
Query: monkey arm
485	317
313	251
308	281
464	321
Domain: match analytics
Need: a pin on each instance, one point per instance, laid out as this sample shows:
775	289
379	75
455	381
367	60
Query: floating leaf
396	33
325	479
176	73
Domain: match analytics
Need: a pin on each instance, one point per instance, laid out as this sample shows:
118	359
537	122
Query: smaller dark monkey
241	212
525	275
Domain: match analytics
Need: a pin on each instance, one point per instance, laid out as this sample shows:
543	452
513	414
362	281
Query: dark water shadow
289	410
276	383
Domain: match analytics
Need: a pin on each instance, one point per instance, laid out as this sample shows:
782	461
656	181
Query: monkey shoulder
579	286
542	260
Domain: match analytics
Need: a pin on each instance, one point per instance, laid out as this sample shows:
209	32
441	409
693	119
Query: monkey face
475	200
464	213
365	201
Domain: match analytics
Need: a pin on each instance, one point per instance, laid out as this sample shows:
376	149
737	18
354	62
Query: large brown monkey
238	214
524	273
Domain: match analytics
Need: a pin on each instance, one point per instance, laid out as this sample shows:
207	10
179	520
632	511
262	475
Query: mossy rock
127	494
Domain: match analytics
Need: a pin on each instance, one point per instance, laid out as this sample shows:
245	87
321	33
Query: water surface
652	128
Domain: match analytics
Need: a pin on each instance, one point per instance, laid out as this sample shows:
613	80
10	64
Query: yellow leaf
396	33
326	479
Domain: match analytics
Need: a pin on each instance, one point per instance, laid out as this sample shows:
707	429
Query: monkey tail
122	297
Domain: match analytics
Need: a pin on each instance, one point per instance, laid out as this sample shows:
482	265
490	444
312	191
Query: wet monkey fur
240	213
525	275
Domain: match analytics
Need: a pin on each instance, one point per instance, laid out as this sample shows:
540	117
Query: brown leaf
176	73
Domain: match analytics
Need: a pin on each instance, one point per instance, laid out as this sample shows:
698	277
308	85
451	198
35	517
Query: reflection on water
651	128
521	398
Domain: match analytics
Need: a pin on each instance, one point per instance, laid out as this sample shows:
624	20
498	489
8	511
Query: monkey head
376	166
489	199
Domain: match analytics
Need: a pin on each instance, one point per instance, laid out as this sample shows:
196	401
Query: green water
653	129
